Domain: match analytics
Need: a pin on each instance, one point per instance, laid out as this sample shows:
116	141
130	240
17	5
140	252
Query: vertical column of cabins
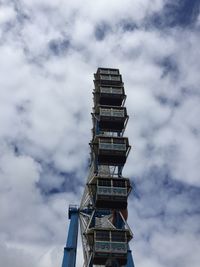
109	148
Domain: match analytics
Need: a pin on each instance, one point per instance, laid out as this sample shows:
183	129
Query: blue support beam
130	262
69	258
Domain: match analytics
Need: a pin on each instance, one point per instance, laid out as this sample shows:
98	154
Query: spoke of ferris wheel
111	224
88	263
90	220
83	225
85	199
125	222
85	214
84	220
105	222
113	170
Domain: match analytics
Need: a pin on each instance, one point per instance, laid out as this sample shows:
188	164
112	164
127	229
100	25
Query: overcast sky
49	50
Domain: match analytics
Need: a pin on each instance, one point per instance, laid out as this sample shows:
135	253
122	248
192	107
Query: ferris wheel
103	211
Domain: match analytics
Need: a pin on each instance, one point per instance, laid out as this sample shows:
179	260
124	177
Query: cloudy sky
49	50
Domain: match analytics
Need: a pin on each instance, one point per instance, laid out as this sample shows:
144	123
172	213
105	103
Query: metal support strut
130	262
69	258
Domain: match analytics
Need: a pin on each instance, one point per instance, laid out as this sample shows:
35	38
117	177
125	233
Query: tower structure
103	209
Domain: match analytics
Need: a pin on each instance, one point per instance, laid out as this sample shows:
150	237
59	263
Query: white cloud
7	14
45	105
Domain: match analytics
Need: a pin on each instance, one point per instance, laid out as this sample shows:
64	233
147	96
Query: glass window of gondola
105	140
111	90
109	71
102	236
119	183
118	237
104	182
119	141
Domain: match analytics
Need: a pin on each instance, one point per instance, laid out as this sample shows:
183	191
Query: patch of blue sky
169	67
158	191
101	30
16	145
195	131
59	47
22	16
52	180
128	25
174	103
6	28
181	13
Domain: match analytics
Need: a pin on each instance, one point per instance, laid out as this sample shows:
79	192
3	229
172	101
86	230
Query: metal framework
103	209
